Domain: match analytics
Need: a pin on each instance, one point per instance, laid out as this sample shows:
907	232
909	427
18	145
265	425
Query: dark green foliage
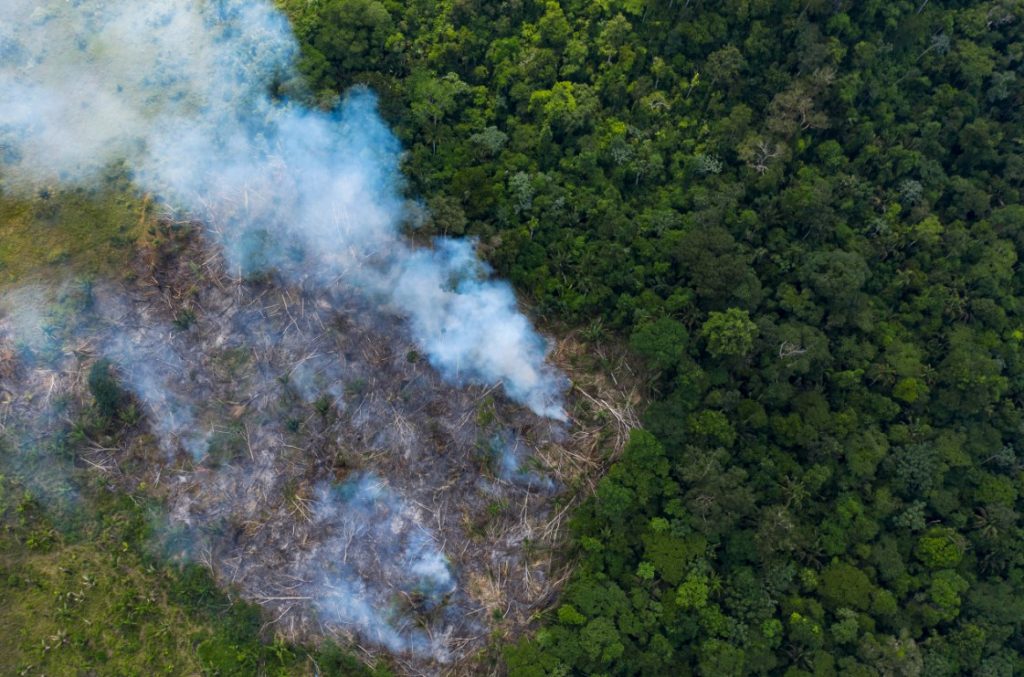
185	319
105	390
805	218
194	589
661	343
333	661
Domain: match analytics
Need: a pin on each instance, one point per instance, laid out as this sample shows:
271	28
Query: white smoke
377	537
513	460
152	370
180	90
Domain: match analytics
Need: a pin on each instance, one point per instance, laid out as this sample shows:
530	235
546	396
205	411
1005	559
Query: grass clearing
80	231
76	609
82	600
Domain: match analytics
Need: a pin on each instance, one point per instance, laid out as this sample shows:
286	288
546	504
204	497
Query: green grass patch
83	600
77	230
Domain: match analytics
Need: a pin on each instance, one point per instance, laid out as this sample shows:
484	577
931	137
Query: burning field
305	450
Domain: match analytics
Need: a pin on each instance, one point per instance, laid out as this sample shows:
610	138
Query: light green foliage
713	426
729	334
944	592
846	629
567	614
77	607
693	592
940	548
772	629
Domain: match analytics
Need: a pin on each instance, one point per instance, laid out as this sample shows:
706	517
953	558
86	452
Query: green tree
940	548
662	343
352	36
730	333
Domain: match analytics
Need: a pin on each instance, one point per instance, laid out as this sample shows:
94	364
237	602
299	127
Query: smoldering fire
179	91
296	447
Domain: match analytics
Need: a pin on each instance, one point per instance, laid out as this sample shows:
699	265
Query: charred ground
308	455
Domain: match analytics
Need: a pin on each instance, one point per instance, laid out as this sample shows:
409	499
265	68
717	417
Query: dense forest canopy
805	218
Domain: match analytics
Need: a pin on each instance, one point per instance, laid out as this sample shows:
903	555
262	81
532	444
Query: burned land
305	451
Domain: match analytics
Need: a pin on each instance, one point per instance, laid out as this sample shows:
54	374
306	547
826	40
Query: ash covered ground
306	452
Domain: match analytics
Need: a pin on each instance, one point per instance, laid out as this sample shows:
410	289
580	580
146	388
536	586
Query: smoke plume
181	91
